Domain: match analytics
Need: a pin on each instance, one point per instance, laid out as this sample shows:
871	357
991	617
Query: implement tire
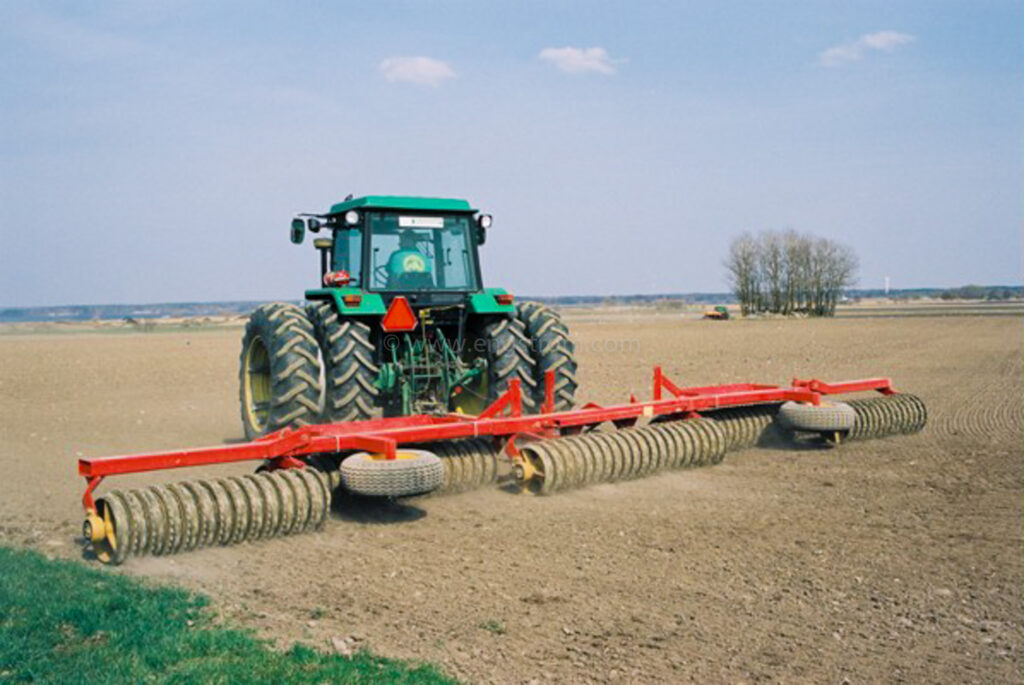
350	372
279	374
552	350
824	418
412	472
503	344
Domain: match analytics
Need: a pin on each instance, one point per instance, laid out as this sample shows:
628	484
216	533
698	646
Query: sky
155	151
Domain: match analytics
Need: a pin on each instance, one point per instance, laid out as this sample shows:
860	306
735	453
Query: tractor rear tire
502	342
552	350
350	393
279	375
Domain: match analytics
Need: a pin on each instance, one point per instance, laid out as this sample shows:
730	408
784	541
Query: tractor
717	313
401	324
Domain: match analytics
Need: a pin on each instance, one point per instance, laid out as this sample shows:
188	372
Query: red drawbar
399	317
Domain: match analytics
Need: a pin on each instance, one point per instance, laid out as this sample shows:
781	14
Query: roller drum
468	464
581	460
167	519
900	414
744	425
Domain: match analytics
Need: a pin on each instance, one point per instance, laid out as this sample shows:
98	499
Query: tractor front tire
350	374
279	376
552	350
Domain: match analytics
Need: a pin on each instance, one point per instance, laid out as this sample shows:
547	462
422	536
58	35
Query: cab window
420	252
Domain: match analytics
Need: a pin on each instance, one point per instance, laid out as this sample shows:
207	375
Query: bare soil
889	560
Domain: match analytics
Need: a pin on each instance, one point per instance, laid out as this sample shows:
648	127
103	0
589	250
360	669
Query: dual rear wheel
302	366
279	378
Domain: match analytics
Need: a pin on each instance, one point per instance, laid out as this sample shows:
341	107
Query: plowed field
887	560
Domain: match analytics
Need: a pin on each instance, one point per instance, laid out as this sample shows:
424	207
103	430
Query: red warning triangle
399	317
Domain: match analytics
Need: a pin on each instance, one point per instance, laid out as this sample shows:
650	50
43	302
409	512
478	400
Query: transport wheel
411	472
831	419
503	346
350	374
279	378
552	350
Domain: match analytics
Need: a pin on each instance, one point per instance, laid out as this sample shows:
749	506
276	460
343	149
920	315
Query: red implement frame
502	420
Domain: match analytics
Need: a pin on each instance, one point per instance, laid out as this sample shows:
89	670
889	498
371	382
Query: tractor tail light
352	300
504	298
333	279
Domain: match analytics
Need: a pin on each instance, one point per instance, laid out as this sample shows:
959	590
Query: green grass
63	622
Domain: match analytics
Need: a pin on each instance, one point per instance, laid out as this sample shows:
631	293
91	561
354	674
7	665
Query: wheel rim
257	383
400	455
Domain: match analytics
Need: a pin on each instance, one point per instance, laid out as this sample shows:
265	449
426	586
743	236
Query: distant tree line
786	272
981	292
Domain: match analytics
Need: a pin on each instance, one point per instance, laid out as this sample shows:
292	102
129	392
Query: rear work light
504	298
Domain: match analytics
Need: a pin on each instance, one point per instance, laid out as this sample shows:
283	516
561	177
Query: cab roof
423	204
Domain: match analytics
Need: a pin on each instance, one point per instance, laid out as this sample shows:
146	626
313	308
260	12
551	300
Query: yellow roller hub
94	529
101	529
524	470
399	455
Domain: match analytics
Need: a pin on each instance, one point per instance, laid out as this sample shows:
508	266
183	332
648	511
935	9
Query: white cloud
884	41
580	60
423	71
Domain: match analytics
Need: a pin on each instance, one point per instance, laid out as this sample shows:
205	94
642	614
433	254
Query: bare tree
840	273
741	263
797	258
771	264
789	273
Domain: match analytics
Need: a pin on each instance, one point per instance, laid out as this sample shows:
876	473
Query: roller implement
305	469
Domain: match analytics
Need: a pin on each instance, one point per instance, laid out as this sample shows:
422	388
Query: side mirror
483	222
298	230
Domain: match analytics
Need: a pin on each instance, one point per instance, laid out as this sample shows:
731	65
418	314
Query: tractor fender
370	304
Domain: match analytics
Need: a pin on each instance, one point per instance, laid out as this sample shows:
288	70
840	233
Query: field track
889	560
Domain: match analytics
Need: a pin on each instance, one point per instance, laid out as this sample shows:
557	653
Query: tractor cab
425	249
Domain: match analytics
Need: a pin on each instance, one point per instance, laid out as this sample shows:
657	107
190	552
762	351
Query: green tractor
401	324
